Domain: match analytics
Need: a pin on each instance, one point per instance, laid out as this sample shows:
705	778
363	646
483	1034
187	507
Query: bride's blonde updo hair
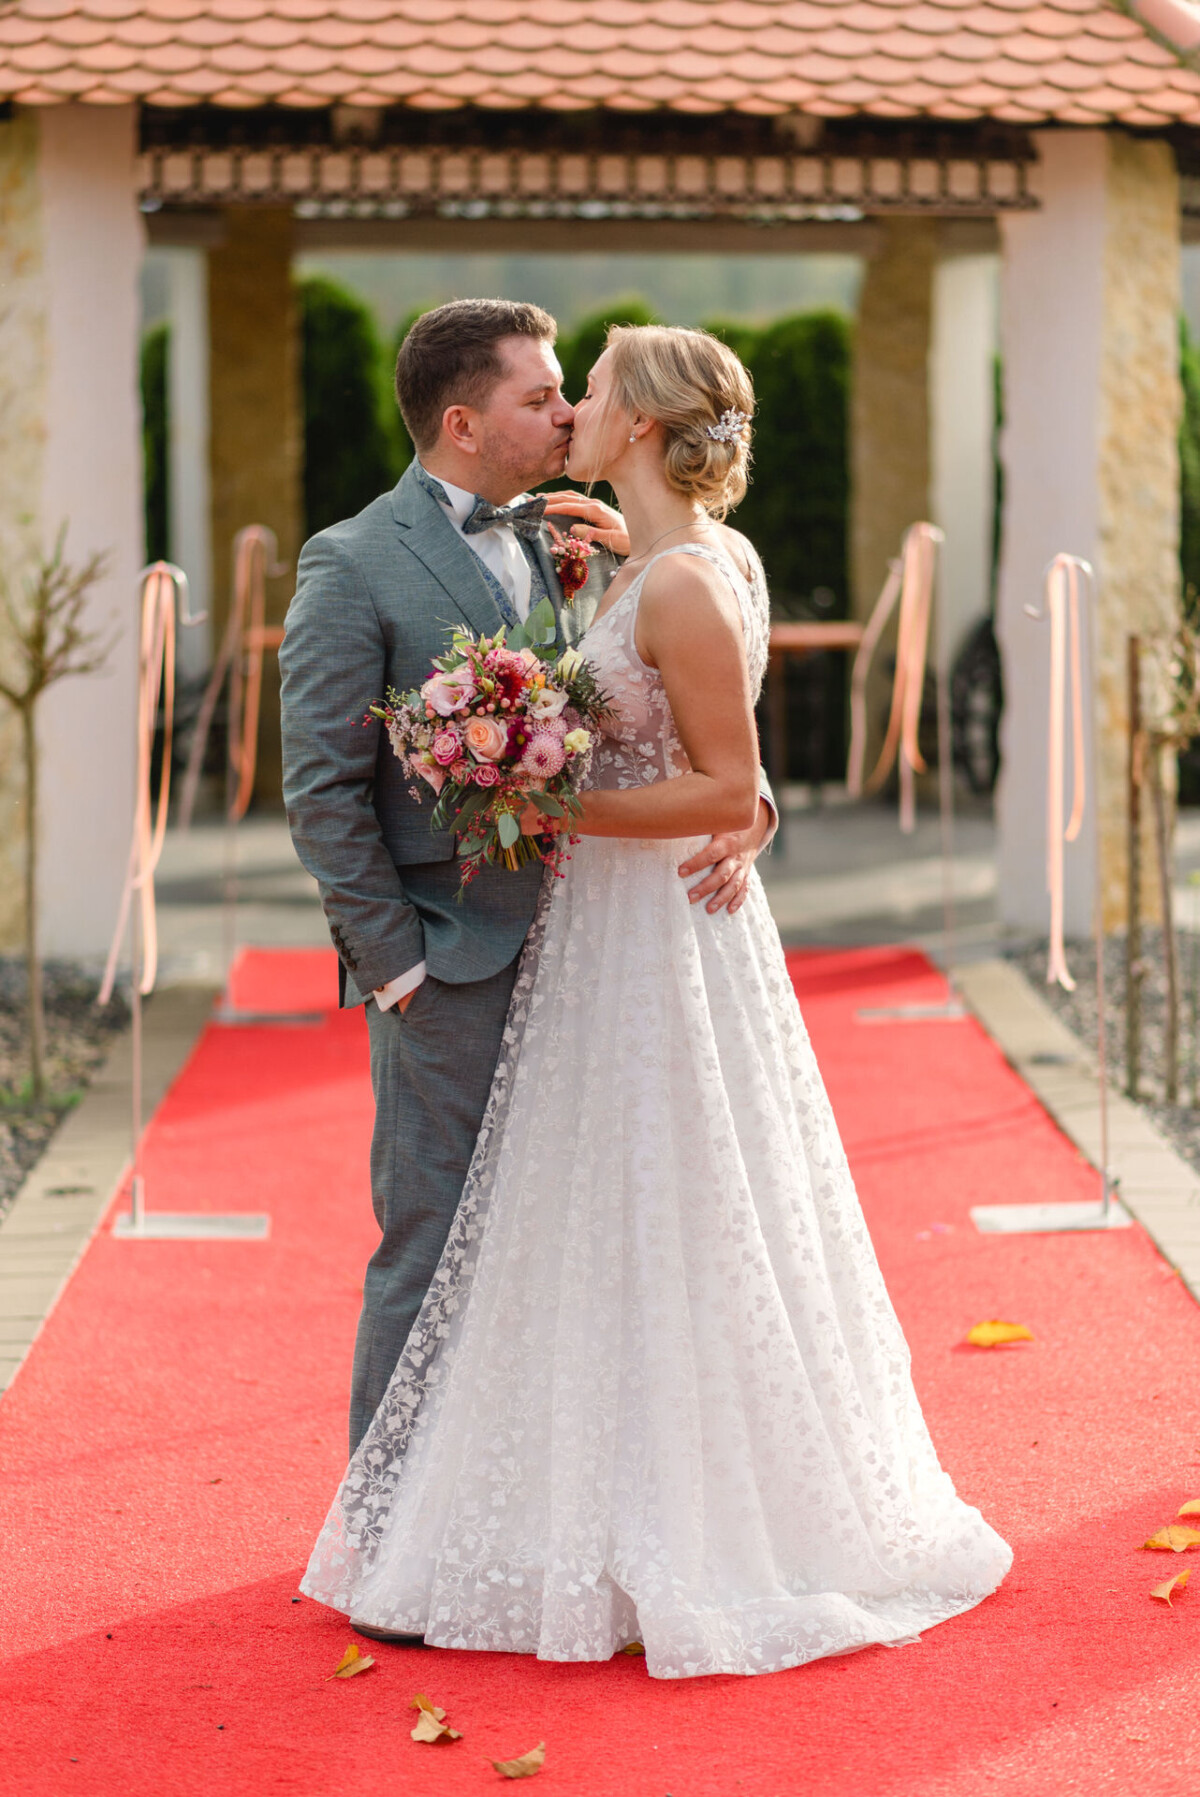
687	381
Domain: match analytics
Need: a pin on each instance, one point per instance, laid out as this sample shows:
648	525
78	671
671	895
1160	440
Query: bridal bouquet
502	721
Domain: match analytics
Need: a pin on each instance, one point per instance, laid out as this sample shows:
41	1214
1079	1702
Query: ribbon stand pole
911	581
163	596
240	662
1069	590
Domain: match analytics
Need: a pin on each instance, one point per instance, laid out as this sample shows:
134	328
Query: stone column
256	440
889	427
70	445
889	404
1089	329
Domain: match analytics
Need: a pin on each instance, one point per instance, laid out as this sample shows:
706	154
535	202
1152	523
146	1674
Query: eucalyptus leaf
508	829
547	804
541	626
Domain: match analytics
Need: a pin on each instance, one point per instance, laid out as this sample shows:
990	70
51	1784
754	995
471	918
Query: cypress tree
156	349
348	458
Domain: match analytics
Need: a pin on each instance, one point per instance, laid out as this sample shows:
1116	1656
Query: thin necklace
643	553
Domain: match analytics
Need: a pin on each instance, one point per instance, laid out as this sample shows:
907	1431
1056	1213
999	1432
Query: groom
480	391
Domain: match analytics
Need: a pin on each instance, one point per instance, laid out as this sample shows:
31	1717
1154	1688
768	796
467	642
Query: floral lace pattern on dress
657	1390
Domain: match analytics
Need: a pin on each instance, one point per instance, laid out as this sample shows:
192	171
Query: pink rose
447	747
486	738
461	772
486	774
448	693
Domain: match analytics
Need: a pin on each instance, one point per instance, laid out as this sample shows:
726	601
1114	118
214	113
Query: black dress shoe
370	1633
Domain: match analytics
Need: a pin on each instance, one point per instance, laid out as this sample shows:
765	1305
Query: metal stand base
1049	1219
948	1012
193	1226
233	1018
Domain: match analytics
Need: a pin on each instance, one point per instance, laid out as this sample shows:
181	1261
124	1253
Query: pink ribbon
164	591
910	579
1062	606
247	637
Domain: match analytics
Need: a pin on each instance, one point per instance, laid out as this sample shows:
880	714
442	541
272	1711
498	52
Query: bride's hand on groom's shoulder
601	523
730	858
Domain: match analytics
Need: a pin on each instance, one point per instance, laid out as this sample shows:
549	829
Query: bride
657	1391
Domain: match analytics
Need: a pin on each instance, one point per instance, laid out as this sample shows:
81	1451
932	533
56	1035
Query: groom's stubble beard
508	467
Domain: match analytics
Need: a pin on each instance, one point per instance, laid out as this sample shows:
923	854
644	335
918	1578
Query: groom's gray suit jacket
375	599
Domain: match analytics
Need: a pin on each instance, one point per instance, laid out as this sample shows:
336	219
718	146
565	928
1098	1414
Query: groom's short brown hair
451	356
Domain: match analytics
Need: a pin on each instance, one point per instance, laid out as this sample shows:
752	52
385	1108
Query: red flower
570	556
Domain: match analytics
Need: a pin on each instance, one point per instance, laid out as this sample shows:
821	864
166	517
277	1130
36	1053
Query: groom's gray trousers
375	597
431	1070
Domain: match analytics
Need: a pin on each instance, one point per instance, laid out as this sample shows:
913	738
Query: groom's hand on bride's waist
729	857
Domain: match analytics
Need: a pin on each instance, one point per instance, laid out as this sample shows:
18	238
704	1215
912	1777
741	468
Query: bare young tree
1176	665
48	642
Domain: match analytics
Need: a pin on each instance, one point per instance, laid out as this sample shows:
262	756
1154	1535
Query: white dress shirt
499	550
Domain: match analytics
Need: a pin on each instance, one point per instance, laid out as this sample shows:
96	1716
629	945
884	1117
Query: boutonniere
570	556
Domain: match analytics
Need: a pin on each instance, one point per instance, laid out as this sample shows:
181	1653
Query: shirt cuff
768	799
400	987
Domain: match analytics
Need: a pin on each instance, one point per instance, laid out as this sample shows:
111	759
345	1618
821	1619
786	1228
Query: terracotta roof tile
1027	60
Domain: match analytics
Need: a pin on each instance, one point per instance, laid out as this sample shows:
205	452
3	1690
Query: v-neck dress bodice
640	743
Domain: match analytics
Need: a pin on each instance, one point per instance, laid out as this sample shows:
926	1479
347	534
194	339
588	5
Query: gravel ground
78	1037
1180	1123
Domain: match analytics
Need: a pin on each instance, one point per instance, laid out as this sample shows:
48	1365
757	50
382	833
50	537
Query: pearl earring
633	436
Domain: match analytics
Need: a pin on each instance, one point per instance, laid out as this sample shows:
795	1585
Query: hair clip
729	429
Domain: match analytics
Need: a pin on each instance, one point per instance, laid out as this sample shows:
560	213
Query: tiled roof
1075	61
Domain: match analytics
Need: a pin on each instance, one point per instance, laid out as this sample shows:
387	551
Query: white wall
92	481
961	421
1051	327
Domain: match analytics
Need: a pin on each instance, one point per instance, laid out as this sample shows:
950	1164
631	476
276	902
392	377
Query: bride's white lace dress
657	1391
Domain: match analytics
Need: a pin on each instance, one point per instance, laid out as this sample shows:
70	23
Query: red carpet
172	1443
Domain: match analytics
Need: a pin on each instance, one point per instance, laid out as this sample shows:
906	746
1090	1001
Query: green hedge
796	511
349	439
796	508
156	350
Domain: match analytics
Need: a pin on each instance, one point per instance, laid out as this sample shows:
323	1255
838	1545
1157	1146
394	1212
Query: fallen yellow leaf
993	1333
1190	1509
1168	1585
1174	1538
526	1766
352	1661
431	1723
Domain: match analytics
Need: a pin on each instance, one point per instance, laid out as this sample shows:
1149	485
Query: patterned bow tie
525	517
